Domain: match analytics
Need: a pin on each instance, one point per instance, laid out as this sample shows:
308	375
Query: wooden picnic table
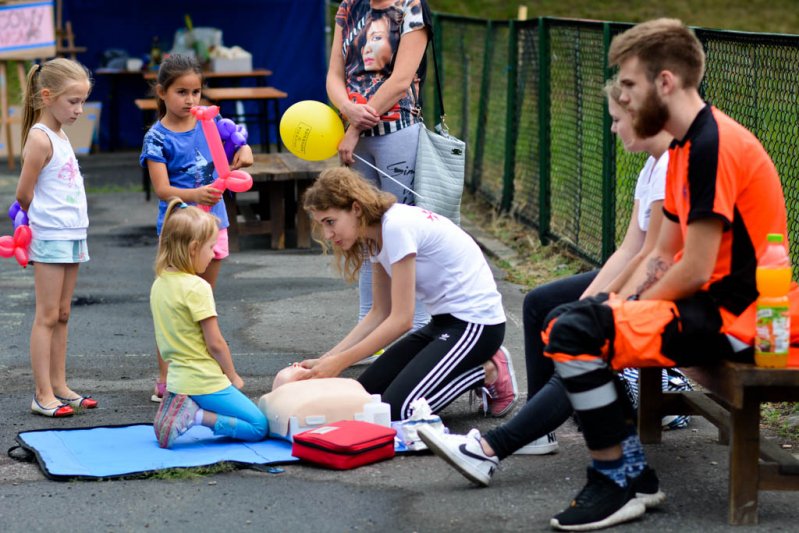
279	179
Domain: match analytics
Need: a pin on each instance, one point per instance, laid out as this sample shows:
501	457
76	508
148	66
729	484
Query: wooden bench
730	400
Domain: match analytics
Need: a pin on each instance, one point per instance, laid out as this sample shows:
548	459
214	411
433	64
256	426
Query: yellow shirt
179	302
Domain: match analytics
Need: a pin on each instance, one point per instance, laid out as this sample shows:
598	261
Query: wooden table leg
232	215
743	462
303	220
277	124
650	398
277	214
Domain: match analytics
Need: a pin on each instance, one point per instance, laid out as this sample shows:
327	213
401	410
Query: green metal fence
527	98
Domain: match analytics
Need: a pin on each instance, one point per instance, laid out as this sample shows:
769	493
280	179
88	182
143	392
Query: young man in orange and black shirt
692	301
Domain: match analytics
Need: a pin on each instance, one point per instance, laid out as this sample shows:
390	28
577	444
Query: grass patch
534	264
194	472
775	417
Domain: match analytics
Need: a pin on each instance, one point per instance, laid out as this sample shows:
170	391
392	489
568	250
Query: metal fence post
511	118
608	164
544	139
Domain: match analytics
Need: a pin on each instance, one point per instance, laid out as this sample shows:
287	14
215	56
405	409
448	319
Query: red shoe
81	402
59	411
503	393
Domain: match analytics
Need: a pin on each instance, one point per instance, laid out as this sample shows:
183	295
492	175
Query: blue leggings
236	415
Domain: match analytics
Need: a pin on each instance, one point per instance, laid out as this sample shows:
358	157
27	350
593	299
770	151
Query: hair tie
183	205
38	68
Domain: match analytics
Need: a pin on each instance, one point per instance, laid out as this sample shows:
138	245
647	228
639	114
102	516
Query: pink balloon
239	181
22	236
17	245
22	256
6	246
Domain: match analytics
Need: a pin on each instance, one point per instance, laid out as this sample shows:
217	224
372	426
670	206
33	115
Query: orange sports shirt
721	170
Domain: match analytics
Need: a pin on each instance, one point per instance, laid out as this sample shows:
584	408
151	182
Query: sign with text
27	30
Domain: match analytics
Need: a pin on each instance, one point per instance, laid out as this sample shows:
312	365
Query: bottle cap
774	237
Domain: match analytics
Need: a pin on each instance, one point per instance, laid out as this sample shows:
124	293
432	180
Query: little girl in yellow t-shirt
202	384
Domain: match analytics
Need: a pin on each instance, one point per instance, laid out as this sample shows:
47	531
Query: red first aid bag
345	444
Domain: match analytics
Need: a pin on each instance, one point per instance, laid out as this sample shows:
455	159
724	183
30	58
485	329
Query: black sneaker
646	488
601	503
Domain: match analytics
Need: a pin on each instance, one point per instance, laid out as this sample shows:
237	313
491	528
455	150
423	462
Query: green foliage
773	16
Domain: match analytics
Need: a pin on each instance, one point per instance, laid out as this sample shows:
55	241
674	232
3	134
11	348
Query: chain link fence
526	97
538	134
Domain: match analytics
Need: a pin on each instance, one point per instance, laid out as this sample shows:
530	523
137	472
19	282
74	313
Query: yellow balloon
311	130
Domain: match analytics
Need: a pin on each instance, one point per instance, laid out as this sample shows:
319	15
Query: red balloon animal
17	245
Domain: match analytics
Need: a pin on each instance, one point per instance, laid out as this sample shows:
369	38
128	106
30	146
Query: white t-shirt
58	211
452	276
651	187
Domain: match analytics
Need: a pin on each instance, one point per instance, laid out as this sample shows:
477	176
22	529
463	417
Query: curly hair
340	188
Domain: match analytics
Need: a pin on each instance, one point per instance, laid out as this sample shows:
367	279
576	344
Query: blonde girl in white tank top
51	190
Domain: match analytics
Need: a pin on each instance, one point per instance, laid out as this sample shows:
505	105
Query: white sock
198	417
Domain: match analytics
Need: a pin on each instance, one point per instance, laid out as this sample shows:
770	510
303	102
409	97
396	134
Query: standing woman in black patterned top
376	69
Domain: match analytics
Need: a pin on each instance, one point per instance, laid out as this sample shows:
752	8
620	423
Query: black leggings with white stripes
438	362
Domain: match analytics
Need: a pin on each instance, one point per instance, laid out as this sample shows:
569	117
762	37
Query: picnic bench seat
730	399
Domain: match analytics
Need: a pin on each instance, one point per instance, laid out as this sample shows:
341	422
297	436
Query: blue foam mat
116	451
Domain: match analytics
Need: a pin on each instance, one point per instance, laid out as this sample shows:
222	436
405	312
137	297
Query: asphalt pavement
274	307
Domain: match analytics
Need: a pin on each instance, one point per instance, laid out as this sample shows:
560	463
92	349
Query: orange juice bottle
773	278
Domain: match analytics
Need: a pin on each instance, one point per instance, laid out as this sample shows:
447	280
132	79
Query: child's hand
207	195
236	381
242	158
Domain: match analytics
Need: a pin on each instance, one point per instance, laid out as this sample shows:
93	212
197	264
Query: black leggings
547	406
438	362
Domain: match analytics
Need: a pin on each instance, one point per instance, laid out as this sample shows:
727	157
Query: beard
650	119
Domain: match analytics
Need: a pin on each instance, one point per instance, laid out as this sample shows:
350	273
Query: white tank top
58	211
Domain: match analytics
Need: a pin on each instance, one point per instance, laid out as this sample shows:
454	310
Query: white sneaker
541	446
463	452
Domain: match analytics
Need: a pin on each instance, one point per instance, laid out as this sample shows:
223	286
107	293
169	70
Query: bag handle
439	91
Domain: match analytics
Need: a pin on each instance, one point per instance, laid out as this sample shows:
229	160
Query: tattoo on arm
655	269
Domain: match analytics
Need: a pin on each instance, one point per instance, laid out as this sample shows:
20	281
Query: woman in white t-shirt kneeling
414	252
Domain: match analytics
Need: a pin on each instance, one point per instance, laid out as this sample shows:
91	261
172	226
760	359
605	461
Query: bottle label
773	332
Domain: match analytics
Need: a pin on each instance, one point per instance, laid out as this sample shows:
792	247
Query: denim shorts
58	251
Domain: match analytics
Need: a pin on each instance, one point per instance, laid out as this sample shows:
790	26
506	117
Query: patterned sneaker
174	417
463	452
541	446
646	488
602	503
503	393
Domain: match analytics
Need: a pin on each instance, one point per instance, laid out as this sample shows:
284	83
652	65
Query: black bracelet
634	297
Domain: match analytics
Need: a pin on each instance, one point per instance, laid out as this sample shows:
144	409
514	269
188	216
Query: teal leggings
236	415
